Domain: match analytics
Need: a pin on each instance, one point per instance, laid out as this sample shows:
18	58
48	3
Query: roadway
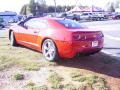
111	31
2	32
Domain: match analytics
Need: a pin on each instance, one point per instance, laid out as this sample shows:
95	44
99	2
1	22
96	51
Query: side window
29	23
85	14
38	24
69	15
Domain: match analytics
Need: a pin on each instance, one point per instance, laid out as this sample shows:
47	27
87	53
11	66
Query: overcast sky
15	5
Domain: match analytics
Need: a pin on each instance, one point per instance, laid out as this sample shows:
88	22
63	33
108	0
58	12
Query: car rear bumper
70	49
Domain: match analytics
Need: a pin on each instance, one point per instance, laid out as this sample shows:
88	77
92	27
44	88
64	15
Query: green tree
51	9
41	7
59	8
41	2
23	10
32	6
110	7
116	4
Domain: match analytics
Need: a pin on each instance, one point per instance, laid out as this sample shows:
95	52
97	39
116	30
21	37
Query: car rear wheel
75	19
118	17
49	50
12	39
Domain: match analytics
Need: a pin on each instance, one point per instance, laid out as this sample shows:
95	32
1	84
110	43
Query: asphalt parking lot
111	30
3	32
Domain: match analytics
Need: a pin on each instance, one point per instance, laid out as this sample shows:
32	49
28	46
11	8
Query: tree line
38	8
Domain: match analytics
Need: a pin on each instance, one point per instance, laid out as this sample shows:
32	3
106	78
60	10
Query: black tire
49	50
98	19
75	19
118	18
2	26
12	39
102	19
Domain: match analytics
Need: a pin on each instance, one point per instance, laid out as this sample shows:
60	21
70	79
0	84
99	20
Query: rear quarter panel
56	32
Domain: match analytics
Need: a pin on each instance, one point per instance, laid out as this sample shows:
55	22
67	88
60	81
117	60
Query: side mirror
21	23
25	26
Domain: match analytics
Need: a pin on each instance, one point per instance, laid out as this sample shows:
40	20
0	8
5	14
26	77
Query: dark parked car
2	24
71	16
86	16
116	16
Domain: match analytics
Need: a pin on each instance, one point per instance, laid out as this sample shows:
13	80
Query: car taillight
101	34
77	37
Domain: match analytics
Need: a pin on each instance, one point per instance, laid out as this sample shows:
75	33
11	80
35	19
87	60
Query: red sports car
56	37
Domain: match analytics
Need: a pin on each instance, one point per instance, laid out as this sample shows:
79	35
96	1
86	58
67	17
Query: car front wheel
49	50
12	39
2	26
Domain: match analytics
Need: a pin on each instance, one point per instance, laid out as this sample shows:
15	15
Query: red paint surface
63	38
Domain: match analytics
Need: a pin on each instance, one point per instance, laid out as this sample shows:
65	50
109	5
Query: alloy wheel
49	50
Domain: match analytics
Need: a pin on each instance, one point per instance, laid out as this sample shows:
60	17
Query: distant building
86	9
9	16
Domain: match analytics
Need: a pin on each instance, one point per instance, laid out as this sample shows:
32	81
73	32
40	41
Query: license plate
94	43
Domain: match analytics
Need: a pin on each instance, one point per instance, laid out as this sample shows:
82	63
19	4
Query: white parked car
98	16
85	16
92	16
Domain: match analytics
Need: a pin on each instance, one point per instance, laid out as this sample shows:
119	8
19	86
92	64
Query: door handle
36	32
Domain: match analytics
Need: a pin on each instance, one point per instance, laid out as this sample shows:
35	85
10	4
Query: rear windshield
71	24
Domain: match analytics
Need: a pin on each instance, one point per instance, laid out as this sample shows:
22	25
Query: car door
70	16
31	31
28	33
84	16
35	29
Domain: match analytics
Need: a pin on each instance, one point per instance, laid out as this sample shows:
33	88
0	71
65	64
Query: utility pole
76	3
55	6
92	7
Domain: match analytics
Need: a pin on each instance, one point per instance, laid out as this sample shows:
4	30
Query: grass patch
89	81
20	56
6	61
18	76
75	74
29	65
70	87
54	79
32	86
43	87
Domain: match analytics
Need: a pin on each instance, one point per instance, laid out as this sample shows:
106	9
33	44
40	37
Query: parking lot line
111	37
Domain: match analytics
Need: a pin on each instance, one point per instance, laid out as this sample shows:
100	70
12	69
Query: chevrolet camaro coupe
56	37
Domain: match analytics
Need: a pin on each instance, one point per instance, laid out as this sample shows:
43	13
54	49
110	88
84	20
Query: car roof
50	18
47	18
